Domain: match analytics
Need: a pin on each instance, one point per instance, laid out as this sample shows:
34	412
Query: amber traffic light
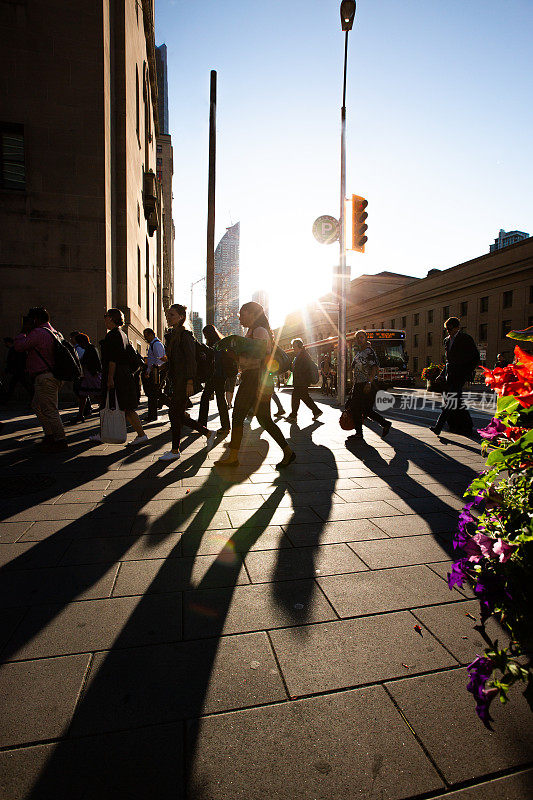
359	226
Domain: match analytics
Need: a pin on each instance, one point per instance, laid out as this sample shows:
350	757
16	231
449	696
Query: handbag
346	421
112	421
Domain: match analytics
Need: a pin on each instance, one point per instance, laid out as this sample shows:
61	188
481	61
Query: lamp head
347	14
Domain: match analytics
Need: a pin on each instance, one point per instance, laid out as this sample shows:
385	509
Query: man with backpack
304	374
39	341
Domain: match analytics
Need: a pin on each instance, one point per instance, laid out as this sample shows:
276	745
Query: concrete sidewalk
272	635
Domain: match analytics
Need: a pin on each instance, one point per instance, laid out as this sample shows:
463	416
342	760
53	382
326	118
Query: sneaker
211	440
286	460
76	420
170	456
358	436
45	442
435	430
139	440
227	461
318	414
223	432
56	447
291	418
95	438
386	429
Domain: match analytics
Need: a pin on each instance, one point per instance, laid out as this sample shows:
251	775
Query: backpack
313	374
205	362
66	365
279	361
135	360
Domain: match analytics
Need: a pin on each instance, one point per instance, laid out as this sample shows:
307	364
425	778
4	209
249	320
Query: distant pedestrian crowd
109	377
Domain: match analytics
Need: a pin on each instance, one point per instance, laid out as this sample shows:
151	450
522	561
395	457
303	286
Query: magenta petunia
494	429
458	573
503	550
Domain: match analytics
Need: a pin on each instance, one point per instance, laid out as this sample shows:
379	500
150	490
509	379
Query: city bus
389	345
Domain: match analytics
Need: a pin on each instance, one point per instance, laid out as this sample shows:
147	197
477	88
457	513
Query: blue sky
439	123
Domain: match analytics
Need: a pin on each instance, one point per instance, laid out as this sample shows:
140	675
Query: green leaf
525	335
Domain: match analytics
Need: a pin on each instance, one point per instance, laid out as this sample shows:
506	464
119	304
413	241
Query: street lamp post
347	17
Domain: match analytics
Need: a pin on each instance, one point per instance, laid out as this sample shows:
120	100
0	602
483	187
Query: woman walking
117	373
90	385
216	384
255	389
360	403
181	363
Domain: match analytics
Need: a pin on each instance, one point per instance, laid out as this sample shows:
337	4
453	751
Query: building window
139	279
445	312
430	338
430	315
416	319
483	304
137	101
483	328
464	308
508	299
12	167
159	148
393	323
159	162
382	324
415	340
415	364
404	319
507	326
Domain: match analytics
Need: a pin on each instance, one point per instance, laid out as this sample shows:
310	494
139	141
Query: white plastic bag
112	421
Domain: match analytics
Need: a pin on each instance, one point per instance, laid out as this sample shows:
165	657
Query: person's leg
295	400
265	420
135	422
309	402
356	408
244	401
451	397
219	384
37	403
49	406
176	409
204	404
277	401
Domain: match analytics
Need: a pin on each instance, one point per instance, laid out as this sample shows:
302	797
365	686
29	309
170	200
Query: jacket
462	357
181	356
301	370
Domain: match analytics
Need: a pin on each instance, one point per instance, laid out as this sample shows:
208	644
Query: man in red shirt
37	341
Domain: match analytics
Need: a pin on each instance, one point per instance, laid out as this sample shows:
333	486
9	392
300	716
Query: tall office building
261	297
165	171
505	238
197	326
227	282
162	87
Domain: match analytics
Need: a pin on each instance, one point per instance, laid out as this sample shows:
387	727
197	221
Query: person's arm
26	341
188	348
111	374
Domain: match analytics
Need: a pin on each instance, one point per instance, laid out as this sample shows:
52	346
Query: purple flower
480	671
482	705
478	547
490	590
458	574
494	429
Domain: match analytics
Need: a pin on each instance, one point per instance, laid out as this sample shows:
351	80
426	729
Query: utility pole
210	273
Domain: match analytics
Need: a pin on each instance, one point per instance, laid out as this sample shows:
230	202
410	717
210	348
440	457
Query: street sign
482	355
326	229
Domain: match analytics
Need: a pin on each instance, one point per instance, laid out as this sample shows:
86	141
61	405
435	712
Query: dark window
430	338
508	299
507	326
139	279
393	323
159	162
483	332
430	315
416	319
445	312
483	304
404	319
415	363
137	102
464	308
159	148
382	324
13	172
415	340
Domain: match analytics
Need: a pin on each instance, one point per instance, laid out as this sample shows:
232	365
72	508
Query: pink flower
478	547
503	550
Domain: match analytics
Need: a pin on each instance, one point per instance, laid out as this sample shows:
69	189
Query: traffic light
359	226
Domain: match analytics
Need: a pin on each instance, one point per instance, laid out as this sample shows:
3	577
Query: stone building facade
491	295
80	232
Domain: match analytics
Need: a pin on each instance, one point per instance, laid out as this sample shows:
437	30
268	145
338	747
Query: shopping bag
112	421
346	421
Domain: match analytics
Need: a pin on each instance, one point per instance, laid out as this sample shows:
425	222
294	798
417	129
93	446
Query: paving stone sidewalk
189	631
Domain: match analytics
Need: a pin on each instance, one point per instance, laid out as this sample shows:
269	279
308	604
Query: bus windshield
390	354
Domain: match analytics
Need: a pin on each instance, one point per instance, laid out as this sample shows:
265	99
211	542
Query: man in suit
462	357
